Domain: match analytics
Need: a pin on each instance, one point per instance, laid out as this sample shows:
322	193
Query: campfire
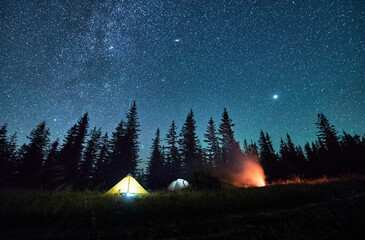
251	174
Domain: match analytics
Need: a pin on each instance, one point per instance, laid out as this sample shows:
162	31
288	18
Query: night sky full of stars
274	64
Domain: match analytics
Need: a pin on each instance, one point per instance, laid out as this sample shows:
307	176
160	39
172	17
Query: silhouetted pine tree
173	160
131	135
250	149
124	147
314	164
213	149
116	166
141	177
12	160
292	154
68	162
230	150
102	163
286	165
3	149
327	134
20	153
189	147
292	161
353	152
34	165
155	171
329	146
310	159
7	157
50	167
310	156
87	166
124	154
71	151
269	159
301	162
34	156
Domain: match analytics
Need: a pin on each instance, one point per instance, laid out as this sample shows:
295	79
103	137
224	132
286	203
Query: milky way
59	59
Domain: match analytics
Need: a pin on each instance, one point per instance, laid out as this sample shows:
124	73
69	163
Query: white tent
178	184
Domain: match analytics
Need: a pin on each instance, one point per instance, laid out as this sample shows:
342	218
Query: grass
327	210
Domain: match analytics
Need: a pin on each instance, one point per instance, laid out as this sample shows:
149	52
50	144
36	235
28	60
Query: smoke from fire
249	174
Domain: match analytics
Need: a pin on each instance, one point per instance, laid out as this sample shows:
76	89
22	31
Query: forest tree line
91	159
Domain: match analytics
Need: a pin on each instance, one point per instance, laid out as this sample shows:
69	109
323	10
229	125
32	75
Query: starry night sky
60	59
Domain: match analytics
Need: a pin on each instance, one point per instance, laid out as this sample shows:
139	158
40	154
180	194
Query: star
168	60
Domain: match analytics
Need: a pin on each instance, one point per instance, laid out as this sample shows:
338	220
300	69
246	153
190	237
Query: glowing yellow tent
128	186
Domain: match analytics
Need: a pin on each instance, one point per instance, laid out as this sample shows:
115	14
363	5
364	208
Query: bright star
177	40
275	96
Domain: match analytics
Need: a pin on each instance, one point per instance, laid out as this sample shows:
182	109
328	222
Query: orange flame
252	175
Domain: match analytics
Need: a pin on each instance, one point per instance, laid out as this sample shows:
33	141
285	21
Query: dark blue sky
59	59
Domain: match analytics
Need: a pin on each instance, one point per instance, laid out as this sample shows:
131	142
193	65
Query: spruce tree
250	150
131	136
3	146
353	152
52	156
285	164
50	171
124	153
116	167
12	160
68	162
302	165
34	156
4	157
292	160
315	164
71	151
102	163
155	173
268	157
173	159
329	146
7	157
141	177
87	166
288	158
213	149
327	134
189	147
230	150
310	159
20	154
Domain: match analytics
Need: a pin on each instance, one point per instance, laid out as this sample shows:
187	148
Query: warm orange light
296	179
252	175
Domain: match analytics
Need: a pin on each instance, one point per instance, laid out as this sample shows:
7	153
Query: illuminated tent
178	184
128	186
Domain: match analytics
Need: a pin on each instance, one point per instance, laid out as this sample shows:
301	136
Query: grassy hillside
332	210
